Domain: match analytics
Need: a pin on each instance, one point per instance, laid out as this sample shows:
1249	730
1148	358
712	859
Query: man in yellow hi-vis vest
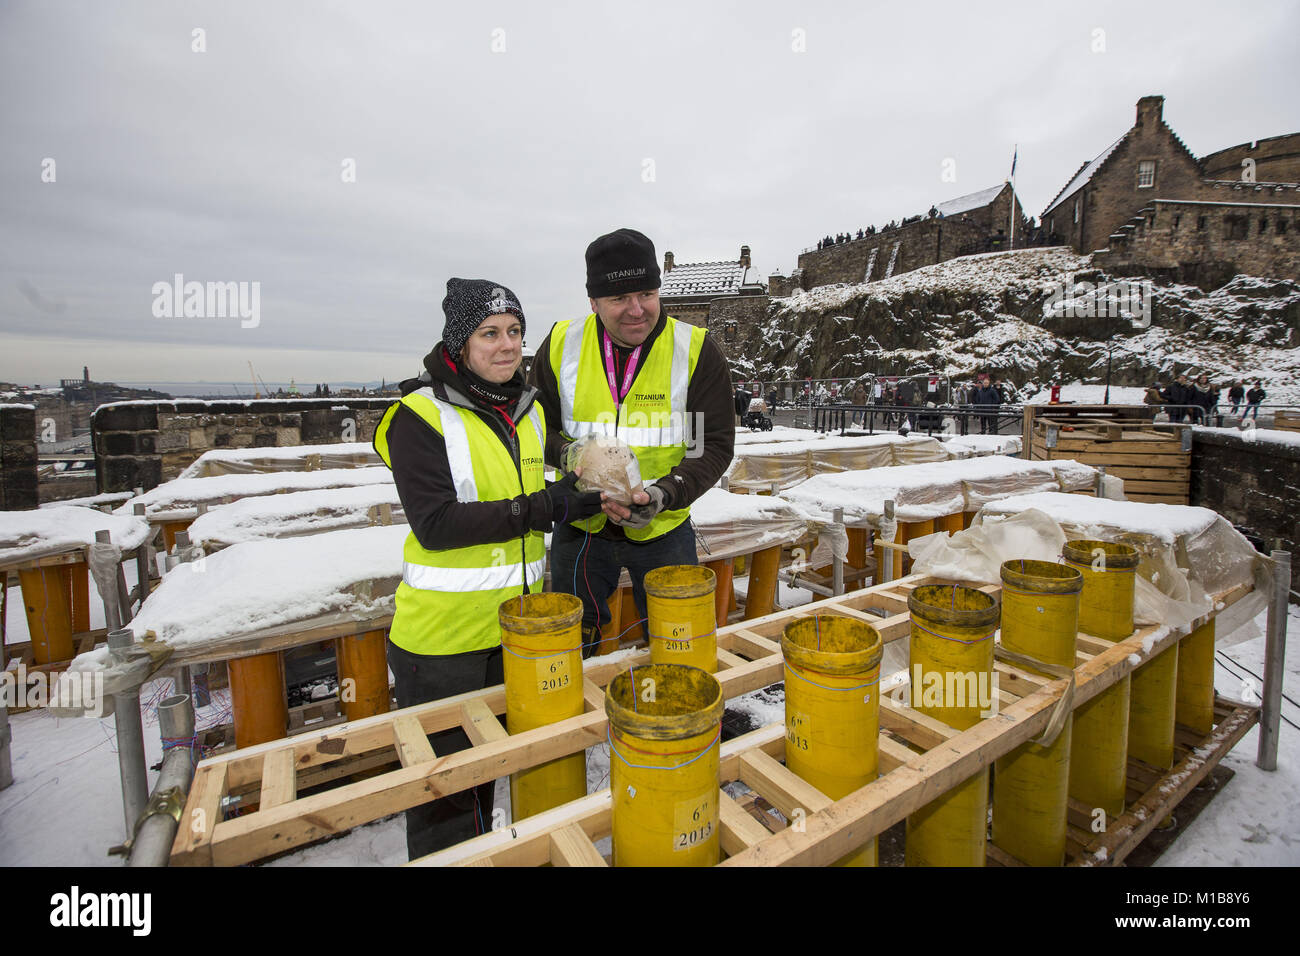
663	386
465	446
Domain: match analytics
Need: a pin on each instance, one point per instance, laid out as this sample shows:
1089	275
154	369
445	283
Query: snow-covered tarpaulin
729	524
293	513
180	497
923	492
211	605
247	461
28	535
787	463
975	446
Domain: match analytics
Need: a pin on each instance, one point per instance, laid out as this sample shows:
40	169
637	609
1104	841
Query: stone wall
143	444
18	489
919	244
746	311
694	312
1277	160
1206	243
1254	484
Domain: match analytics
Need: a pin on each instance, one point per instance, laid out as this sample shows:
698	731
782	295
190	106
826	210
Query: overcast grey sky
496	140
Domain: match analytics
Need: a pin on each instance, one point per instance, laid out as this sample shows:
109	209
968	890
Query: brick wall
18	490
1209	242
1254	484
143	444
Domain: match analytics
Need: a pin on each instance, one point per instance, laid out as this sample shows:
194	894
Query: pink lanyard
628	374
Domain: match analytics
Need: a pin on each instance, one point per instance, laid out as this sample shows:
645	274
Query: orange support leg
722	596
857	559
363	674
257	698
46	598
80	574
629	618
907	530
763	567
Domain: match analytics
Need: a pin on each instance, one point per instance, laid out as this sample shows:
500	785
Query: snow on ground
1080	394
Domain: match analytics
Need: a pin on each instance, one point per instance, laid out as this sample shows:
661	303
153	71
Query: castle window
1281	227
729	332
1076	209
1200	223
1146	173
1177	220
1263	226
1238	226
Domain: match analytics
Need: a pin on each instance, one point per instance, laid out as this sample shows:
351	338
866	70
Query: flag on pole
1013	160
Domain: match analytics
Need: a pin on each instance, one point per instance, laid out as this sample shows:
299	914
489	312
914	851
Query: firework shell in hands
607	464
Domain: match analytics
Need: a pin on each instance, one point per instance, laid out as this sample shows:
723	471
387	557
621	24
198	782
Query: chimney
744	256
85	374
1150	110
668	262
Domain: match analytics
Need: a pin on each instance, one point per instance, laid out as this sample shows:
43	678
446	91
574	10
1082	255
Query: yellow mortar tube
1109	570
1151	710
1195	700
1040	619
832	708
951	661
665	725
681	613
541	643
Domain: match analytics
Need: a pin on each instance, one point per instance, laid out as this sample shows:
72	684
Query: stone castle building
724	297
1146	203
977	222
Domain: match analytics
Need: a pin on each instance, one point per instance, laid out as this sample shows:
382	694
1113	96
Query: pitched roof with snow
955	207
1084	174
707	278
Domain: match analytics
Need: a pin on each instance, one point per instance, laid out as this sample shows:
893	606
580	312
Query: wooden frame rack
920	759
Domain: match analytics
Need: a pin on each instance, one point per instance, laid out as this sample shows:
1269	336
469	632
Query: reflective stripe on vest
652	419
448	599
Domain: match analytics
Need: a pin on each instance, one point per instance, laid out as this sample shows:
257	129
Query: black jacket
423	476
709	394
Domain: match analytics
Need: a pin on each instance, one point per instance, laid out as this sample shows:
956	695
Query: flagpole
1015	152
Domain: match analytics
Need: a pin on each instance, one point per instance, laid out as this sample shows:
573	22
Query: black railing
924	419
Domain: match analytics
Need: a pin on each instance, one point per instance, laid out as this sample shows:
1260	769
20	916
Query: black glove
642	515
565	503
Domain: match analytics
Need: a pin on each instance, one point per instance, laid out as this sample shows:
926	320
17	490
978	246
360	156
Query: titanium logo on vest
650	397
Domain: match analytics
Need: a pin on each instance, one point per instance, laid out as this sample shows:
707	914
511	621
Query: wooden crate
1150	459
920	758
1286	420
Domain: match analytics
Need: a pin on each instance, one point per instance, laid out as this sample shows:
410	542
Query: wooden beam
912	725
279	783
781	787
411	742
481	725
739	830
728	659
193	843
593	694
570	846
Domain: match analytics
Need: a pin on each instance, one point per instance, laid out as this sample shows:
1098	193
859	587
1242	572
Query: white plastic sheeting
292	514
248	461
729	524
788	463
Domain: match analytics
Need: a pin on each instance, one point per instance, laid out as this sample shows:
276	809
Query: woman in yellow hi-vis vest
465	444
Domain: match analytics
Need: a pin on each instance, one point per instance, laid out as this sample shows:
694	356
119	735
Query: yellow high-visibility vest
448	599
652	419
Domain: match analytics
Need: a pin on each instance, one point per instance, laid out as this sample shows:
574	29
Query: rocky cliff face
1043	315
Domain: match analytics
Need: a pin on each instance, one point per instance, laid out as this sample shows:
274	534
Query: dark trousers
589	566
418	679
